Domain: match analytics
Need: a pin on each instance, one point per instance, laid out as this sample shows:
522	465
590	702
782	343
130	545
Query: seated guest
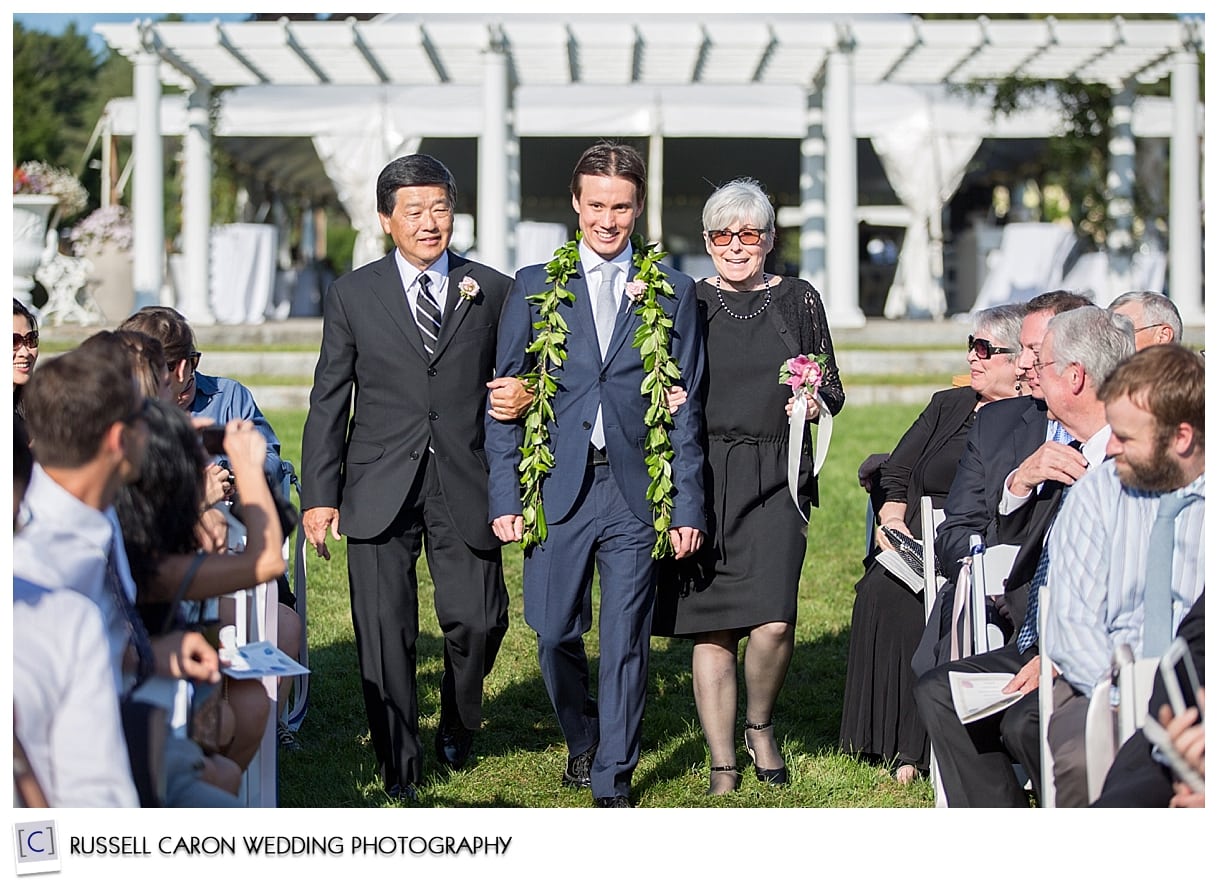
88	434
1011	433
1114	582
222	399
1155	318
1080	348
25	352
65	709
1187	733
1139	777
158	514
878	715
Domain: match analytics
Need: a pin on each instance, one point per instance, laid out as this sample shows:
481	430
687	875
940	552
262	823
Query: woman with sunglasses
879	719
25	353
745	580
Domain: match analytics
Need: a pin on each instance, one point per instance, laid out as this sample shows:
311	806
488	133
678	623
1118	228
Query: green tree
54	77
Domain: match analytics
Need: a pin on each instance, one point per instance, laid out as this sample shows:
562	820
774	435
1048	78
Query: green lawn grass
520	751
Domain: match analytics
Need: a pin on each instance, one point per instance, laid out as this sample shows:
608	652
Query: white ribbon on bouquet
795	438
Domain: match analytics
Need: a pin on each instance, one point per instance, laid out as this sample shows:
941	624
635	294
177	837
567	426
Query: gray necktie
604	308
1157	603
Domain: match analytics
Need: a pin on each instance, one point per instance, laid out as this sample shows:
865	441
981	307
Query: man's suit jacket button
432	415
431	372
414	454
601	378
587	425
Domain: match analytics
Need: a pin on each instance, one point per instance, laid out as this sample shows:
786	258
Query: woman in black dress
879	719
745	580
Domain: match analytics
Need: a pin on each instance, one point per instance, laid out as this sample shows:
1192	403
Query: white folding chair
990	568
1044	696
1117	707
932	583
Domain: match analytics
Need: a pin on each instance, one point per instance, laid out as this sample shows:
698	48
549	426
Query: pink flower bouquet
803	373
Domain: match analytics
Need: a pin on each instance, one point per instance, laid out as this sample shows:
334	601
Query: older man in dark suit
1085	344
596	499
413	336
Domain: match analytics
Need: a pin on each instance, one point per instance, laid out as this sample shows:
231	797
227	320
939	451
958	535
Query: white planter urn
31	218
111	281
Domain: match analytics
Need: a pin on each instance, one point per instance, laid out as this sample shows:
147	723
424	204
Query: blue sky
57	22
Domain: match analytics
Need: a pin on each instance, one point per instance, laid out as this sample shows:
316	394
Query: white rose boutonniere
468	288
635	290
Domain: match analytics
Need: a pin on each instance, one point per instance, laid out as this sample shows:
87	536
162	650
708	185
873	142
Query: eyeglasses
30	340
985	349
724	237
193	358
1041	365
1147	327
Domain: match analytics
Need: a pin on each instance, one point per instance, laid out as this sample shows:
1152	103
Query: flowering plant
109	224
468	288
40	179
803	373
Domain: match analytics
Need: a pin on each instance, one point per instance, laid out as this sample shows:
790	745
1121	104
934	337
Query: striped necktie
427	314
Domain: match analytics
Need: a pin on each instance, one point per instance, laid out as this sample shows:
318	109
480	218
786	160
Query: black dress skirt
747	572
879	718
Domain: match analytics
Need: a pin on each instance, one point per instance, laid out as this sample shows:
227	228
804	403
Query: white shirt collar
592	261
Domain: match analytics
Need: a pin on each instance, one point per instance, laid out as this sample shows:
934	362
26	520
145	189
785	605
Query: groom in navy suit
595	496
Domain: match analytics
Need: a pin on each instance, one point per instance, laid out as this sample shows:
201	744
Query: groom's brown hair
609	160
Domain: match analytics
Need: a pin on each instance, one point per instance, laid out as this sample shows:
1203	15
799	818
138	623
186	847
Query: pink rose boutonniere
635	290
468	288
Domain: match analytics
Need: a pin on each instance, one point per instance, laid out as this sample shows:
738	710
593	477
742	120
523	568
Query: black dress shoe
453	745
402	793
579	769
615	801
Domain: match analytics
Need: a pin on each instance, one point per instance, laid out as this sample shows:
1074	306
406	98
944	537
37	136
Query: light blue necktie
1157	602
604	309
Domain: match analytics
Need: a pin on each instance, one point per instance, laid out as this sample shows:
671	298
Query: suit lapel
456	307
387	288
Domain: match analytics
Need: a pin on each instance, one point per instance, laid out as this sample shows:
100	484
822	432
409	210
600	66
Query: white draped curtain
925	167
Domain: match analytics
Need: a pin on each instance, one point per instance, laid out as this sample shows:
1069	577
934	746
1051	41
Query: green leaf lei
660	371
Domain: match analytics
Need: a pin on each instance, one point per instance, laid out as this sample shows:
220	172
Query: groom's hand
685	540
316	521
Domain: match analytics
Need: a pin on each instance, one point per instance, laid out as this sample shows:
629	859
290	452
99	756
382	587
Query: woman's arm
262	559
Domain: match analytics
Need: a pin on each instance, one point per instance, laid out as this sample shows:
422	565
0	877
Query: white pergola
368	91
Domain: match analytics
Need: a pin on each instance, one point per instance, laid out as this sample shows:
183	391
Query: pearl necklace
756	312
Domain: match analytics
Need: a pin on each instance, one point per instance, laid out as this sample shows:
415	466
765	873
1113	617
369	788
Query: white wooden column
148	192
193	299
1121	152
841	291
812	193
1184	213
491	216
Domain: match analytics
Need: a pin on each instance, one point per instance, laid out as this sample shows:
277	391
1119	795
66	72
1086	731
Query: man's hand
1049	462
508	398
315	522
1028	678
217	484
685	540
186	655
508	528
676	396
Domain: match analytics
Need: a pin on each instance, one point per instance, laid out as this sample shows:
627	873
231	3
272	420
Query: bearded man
1128	553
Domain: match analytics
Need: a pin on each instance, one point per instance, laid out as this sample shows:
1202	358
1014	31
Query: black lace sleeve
814	336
